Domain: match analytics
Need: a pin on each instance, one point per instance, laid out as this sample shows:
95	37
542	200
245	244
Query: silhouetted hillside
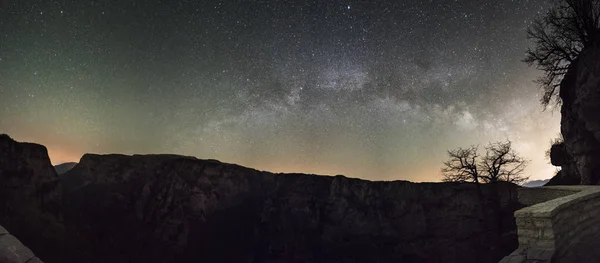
536	183
64	167
168	208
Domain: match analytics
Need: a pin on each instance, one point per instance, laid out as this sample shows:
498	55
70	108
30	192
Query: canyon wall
169	208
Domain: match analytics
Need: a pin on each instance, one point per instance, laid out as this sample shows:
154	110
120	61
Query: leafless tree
558	38
462	166
500	163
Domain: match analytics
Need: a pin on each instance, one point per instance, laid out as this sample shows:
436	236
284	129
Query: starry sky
370	89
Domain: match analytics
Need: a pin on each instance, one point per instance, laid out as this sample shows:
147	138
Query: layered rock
30	196
580	123
165	208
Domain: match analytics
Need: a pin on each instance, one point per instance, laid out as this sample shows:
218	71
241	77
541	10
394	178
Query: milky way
369	89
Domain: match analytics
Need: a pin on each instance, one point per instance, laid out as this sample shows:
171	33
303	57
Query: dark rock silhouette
164	206
64	167
27	173
568	175
30	197
559	179
580	125
168	208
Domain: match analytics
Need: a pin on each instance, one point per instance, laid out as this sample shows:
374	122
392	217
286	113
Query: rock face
30	195
559	179
568	175
163	208
167	208
580	124
27	173
13	251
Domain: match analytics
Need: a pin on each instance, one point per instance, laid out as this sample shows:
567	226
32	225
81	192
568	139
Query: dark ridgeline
536	183
168	208
64	167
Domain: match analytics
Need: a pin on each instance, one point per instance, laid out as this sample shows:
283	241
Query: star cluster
371	89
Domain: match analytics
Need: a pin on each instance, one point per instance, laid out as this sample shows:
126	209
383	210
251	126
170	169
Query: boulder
569	174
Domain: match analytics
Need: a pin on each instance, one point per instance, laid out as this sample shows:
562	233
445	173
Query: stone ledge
536	195
549	229
550	208
13	251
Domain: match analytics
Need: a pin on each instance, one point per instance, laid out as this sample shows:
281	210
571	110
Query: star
378	93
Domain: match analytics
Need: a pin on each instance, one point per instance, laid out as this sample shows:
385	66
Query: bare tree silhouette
462	166
500	163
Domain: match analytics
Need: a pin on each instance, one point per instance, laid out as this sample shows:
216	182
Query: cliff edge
165	207
170	208
30	197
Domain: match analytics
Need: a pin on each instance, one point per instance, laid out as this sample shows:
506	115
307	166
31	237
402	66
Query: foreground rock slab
13	251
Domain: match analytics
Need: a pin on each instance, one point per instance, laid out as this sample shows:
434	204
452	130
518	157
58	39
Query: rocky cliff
580	125
30	196
163	207
168	208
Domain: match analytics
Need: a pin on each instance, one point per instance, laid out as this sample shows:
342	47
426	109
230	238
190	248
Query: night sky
371	89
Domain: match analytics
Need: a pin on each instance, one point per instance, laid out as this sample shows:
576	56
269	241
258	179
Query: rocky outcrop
165	208
30	196
580	125
13	251
559	179
568	175
27	174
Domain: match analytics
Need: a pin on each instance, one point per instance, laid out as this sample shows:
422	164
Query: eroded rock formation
568	175
580	123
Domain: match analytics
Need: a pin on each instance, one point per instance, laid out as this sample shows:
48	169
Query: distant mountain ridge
536	183
64	167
